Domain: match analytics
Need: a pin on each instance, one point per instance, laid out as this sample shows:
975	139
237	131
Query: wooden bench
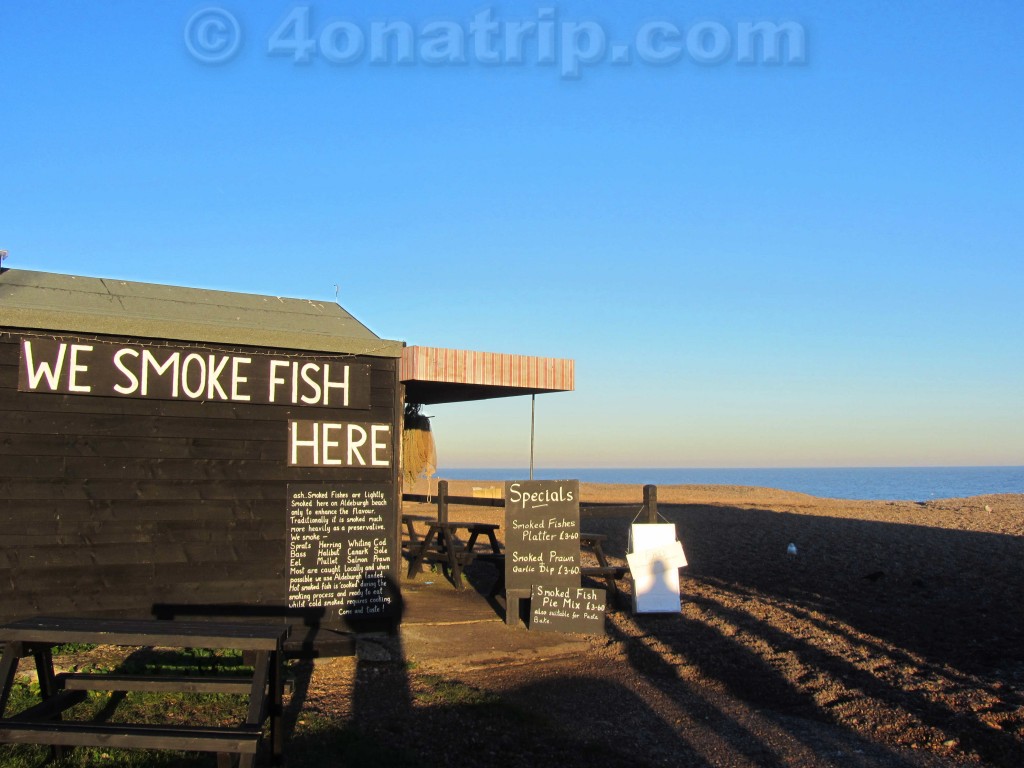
42	724
613	572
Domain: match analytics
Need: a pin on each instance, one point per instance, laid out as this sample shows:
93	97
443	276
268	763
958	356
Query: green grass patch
322	743
135	707
30	756
451	693
487	705
188	661
71	648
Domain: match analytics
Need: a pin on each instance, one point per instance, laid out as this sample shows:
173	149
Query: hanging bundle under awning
419	453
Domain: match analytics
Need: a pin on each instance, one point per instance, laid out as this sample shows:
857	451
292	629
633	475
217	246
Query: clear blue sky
794	264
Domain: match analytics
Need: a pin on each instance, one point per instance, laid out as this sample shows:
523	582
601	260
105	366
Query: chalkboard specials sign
340	549
567	609
542	539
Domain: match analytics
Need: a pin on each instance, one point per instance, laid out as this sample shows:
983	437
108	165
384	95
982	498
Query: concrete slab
443	627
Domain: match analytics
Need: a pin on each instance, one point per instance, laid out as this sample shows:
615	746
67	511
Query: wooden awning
434	375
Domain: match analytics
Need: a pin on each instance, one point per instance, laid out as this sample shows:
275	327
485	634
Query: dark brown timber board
113	504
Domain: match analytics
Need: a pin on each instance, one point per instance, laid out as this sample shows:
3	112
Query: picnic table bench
603	570
441	545
594	542
43	723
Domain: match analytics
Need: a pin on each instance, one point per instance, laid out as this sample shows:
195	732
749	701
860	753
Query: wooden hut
193	451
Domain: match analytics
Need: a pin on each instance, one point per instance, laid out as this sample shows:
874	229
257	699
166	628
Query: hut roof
57	302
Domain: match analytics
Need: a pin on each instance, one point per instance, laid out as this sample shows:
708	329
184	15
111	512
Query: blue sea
892	483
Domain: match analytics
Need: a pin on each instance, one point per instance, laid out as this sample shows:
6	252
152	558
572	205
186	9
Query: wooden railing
592	509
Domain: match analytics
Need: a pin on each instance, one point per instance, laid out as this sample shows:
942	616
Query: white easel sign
654	563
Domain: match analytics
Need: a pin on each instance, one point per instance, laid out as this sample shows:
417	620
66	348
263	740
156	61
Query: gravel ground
895	637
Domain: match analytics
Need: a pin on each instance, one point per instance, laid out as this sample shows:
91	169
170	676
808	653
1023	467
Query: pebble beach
899	623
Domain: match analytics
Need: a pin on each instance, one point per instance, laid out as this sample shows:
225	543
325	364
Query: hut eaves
69	303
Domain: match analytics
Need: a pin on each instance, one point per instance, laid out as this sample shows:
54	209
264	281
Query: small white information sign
654	563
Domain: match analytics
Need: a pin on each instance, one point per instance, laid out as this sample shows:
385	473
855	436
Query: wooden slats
152	552
120	735
41	724
460	366
183	634
108	505
380	396
156	683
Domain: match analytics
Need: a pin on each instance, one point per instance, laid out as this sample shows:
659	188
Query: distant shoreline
916	484
697	493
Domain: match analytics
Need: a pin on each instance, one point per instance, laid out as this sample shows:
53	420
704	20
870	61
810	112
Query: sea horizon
858	483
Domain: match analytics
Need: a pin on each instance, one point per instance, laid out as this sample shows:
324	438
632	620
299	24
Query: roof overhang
434	375
70	303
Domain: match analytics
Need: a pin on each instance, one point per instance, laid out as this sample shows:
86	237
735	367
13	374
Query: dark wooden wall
110	505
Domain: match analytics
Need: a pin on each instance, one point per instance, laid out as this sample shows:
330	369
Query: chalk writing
542	533
340	552
567	609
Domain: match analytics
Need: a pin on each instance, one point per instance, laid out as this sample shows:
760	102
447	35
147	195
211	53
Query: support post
533	420
651	502
442	501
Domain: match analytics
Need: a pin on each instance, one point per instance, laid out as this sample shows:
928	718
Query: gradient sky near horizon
812	263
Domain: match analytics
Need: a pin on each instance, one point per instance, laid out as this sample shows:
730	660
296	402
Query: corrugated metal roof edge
71	322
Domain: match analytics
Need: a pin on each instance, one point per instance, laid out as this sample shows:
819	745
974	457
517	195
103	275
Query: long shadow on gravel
950	598
787	716
568	722
997	747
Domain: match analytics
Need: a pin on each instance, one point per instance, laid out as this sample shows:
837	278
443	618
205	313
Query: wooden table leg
495	546
44	669
499	583
47	686
8	666
277	705
599	554
602	560
451	549
411	530
258	699
416	564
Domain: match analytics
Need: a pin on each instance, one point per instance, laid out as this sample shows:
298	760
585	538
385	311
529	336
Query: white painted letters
338	444
51	372
164	372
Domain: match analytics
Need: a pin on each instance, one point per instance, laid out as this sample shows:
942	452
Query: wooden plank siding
110	505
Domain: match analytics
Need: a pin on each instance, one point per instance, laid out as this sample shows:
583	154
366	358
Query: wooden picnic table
441	545
603	570
43	723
